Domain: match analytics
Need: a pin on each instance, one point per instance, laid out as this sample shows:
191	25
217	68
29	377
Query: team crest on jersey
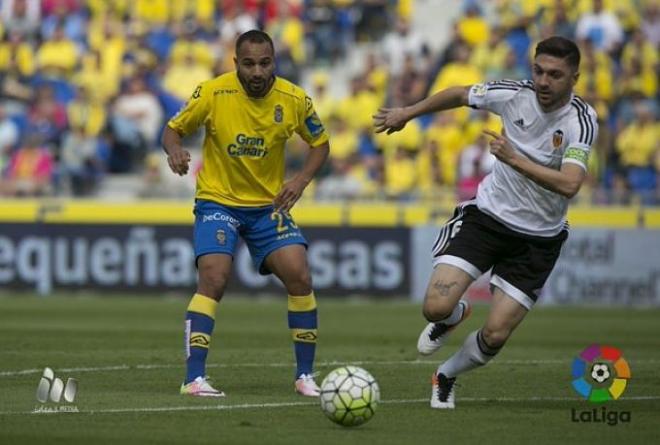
279	114
221	236
557	139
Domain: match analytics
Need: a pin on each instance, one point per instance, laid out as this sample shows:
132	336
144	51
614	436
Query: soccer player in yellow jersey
248	116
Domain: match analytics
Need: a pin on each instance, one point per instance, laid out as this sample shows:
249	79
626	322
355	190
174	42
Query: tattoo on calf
444	288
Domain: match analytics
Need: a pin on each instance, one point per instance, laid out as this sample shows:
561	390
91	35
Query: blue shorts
217	228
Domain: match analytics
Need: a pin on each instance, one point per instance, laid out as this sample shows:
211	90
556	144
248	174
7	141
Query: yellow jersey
243	153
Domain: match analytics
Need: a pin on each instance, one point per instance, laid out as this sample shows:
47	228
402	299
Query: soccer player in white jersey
517	224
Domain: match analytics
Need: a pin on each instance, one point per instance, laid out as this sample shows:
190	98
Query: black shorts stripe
444	235
440	240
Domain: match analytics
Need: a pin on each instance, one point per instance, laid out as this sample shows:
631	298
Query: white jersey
549	139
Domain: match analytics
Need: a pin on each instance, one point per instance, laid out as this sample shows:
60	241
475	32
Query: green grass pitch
127	356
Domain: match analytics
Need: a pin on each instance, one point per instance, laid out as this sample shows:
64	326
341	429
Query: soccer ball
349	396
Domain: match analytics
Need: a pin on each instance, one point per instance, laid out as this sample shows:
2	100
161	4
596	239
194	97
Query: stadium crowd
87	85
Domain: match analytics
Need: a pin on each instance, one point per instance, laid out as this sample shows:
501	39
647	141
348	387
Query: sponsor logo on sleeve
314	125
479	89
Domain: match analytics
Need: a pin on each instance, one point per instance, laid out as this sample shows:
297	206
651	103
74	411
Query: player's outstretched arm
566	182
177	158
292	190
394	119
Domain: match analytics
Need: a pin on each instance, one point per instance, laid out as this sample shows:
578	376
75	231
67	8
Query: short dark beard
266	89
556	104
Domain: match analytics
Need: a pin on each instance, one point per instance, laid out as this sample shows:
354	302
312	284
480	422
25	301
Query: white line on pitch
285	365
159	409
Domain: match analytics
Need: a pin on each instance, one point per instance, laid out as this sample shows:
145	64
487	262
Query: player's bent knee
300	284
435	309
297	279
495	337
212	283
211	289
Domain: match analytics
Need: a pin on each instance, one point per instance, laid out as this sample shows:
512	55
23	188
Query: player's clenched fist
179	162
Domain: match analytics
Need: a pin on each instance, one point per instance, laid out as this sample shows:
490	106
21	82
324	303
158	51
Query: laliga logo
600	374
601	364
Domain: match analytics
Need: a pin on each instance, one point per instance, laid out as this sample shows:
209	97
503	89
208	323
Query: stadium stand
86	86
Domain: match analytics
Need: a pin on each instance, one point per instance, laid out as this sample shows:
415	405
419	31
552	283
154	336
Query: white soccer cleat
442	391
200	387
434	335
306	386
